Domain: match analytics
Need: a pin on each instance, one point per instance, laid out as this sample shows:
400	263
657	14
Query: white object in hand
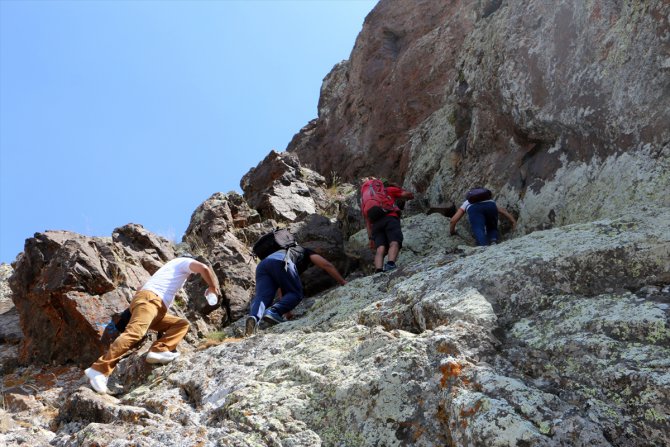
211	298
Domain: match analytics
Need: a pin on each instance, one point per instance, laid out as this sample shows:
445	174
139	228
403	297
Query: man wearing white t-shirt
149	311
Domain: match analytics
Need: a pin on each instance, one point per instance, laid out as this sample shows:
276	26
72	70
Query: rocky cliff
558	336
560	107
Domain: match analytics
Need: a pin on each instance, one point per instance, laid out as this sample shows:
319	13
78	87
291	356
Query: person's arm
398	193
509	217
407	195
329	268
208	275
454	221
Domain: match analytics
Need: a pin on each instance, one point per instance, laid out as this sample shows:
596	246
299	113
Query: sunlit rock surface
561	337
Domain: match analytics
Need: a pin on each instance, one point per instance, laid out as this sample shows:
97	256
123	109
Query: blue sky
114	112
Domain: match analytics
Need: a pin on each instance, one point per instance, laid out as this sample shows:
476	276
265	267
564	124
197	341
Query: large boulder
280	188
69	289
212	233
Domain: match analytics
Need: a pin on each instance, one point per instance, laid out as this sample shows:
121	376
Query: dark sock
391	263
378	270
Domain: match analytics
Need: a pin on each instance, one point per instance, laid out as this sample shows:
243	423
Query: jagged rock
14	433
243	215
33	397
69	290
66	288
212	233
280	188
87	405
152	251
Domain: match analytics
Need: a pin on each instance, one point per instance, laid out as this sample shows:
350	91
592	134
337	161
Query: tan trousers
148	312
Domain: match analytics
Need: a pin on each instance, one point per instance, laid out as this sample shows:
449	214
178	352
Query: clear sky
114	112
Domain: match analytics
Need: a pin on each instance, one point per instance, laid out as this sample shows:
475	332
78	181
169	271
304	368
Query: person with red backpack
483	215
382	220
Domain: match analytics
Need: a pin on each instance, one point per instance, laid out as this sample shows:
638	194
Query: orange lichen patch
468	412
45	380
450	371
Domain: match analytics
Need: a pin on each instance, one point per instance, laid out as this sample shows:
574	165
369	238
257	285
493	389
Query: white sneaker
98	380
161	357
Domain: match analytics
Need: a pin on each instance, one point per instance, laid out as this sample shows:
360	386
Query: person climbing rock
382	220
483	215
149	311
281	271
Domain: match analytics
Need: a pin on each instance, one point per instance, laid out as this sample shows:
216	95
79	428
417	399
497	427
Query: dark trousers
272	274
484	222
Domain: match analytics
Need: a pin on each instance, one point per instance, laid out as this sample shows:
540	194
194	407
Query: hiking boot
98	380
390	266
250	326
161	357
271	316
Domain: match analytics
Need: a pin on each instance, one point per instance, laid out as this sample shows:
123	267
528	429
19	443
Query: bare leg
379	257
394	250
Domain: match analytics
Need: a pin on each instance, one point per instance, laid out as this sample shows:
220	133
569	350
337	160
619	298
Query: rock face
68	288
561	108
280	188
213	233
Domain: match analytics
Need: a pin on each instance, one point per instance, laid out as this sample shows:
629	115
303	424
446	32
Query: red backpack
375	201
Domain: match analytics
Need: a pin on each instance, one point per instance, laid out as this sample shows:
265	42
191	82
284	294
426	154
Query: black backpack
478	195
277	239
124	319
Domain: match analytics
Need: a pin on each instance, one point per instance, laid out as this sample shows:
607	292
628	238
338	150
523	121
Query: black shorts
387	230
